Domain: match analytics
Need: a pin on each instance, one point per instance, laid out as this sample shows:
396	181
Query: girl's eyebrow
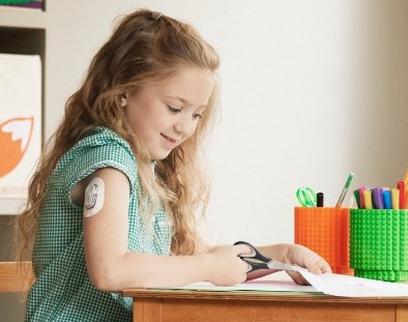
184	101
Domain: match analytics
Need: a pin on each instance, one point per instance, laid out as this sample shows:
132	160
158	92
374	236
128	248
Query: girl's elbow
114	275
105	279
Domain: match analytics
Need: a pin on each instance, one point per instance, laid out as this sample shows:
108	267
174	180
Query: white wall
311	91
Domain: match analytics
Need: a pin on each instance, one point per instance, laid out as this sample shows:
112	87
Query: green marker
345	189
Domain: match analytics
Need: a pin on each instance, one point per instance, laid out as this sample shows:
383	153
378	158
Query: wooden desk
200	306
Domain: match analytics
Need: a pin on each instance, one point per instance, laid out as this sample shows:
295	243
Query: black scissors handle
255	259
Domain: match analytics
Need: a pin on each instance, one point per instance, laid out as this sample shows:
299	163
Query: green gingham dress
62	290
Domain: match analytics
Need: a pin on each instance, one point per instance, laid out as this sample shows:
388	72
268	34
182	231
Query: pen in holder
325	231
379	243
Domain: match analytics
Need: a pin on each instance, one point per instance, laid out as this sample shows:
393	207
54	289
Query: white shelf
22	18
11	206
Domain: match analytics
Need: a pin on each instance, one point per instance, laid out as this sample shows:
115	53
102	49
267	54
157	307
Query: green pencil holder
379	243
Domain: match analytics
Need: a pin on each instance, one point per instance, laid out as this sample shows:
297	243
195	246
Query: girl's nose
184	126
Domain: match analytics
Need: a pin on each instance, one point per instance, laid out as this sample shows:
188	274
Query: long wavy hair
145	47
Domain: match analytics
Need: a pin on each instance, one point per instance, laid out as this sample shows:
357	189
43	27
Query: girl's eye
173	109
197	116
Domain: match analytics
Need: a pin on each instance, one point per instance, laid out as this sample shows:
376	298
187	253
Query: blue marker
387	198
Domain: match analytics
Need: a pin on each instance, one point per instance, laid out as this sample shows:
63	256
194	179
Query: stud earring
123	102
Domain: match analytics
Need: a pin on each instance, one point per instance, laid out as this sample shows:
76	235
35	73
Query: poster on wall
20	122
30	4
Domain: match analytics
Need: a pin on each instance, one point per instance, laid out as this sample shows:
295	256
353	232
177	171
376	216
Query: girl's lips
168	138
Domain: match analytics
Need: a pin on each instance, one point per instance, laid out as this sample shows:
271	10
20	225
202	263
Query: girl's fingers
319	267
314	268
326	268
242	249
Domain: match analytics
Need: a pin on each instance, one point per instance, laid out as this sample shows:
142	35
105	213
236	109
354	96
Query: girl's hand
225	267
302	256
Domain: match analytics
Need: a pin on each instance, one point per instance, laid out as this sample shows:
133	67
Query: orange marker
406	200
402	194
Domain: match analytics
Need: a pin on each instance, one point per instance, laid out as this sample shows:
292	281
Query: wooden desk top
257	296
185	305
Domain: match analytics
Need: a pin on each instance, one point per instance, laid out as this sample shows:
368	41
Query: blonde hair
145	47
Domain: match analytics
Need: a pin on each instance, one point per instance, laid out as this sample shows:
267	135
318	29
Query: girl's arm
111	266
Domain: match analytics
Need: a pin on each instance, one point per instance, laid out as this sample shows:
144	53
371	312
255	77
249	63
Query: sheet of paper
331	284
261	286
277	282
343	285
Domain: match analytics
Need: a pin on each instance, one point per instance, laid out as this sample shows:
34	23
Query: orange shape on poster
15	136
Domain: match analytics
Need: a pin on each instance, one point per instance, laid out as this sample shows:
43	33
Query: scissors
306	197
258	261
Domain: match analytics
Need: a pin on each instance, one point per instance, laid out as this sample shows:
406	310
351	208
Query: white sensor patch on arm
94	197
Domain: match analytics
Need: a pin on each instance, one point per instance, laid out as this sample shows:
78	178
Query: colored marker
368	199
377	198
361	195
406	200
402	191
395	198
320	199
387	198
357	197
345	189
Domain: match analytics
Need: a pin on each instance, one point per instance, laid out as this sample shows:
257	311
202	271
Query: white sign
20	122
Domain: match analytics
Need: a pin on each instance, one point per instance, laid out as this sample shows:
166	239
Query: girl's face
165	114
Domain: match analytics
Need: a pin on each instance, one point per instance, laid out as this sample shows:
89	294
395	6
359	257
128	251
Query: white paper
258	286
350	286
277	282
330	284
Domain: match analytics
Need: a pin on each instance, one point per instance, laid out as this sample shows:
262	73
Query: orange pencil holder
325	231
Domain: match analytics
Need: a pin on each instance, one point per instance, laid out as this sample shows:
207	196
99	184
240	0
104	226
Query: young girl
113	203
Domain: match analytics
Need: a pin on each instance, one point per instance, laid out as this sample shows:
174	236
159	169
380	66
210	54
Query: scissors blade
286	267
